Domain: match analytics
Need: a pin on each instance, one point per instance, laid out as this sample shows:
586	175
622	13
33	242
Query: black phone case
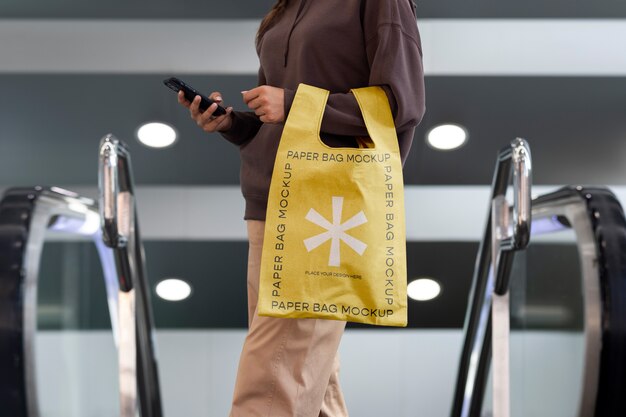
190	93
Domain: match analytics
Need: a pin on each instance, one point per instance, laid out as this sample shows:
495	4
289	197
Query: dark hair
270	18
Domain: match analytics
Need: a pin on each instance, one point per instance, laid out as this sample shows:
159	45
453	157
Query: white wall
399	373
527	47
209	213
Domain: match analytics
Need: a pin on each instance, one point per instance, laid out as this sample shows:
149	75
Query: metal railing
597	220
139	382
501	239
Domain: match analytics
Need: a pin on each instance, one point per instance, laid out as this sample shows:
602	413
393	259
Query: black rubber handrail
16	209
609	227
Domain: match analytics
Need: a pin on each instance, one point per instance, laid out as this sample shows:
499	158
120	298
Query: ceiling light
424	289
173	289
156	135
447	137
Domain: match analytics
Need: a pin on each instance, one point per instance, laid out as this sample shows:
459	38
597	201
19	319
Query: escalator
40	223
545	330
29	217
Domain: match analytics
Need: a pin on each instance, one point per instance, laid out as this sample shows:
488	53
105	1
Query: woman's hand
206	120
267	102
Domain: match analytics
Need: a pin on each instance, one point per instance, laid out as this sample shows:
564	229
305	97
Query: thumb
251	94
216	96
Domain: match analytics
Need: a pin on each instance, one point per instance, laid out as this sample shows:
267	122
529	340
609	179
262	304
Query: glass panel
487	409
74	337
547	334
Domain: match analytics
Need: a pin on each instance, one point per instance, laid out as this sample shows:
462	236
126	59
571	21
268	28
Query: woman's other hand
267	102
206	120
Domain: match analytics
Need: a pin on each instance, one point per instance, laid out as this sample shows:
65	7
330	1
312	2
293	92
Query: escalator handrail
513	160
609	228
26	214
120	230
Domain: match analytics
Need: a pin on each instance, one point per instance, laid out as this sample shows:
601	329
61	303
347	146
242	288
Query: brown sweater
336	45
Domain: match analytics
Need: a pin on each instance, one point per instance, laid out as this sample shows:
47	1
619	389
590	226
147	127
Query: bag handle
376	112
309	104
307	109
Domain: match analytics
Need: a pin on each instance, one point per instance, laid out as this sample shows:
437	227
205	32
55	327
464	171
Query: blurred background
72	71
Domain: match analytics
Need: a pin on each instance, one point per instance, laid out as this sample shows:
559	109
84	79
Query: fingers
269	118
251	94
182	100
266	102
216	96
194	108
213	124
257	103
207	116
261	107
206	120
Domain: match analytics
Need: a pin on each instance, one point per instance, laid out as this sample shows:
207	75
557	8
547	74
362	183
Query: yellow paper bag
335	244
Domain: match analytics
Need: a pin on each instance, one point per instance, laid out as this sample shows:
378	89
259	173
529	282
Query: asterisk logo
335	232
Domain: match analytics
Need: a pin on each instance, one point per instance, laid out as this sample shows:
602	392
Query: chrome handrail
512	161
509	235
514	235
139	382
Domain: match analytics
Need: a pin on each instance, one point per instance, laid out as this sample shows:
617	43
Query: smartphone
190	93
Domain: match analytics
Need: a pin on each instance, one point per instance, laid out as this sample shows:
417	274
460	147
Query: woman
289	367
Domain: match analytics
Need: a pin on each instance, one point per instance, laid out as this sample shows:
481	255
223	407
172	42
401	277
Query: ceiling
247	9
524	78
576	127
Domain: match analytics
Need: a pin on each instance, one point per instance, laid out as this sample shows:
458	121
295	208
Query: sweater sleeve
394	55
245	125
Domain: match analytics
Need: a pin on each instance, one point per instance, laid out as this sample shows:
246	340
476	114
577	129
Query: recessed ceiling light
424	289
447	137
156	135
173	289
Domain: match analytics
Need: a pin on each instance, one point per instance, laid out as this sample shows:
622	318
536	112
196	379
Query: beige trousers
288	367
